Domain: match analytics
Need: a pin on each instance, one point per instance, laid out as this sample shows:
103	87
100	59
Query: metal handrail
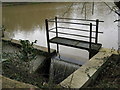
72	34
79	19
71	23
52	29
56	27
79	29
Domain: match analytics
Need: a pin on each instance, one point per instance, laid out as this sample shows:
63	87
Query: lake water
28	22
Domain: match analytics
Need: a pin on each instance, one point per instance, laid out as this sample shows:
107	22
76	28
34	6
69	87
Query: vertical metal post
90	40
90	34
96	36
56	26
47	34
56	33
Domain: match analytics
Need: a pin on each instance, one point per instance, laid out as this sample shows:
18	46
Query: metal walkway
90	46
75	43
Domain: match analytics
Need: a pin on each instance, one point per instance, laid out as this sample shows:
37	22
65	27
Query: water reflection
27	22
27	17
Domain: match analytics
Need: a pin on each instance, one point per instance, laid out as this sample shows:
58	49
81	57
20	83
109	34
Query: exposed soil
110	75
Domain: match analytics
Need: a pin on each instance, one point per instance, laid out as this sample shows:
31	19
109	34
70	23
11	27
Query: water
61	69
27	22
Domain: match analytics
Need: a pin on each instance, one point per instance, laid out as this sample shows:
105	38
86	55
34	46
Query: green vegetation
16	65
27	51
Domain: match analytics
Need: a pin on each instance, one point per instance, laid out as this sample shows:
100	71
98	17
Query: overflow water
61	68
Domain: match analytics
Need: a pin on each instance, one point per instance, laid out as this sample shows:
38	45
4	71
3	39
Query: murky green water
27	22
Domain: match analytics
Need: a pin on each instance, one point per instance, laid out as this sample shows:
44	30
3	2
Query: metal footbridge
90	46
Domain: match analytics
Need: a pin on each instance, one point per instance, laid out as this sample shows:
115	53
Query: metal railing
56	21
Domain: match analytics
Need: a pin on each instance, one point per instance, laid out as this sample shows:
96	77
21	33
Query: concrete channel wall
86	73
35	46
39	62
9	83
89	71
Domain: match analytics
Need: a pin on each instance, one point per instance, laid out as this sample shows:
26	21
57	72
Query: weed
27	51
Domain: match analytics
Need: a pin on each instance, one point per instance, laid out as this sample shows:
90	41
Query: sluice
60	69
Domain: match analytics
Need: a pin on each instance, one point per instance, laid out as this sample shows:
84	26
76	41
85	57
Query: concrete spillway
62	67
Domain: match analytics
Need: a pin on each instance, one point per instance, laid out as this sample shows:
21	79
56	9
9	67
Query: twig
93	8
83	7
85	11
117	20
112	9
67	10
